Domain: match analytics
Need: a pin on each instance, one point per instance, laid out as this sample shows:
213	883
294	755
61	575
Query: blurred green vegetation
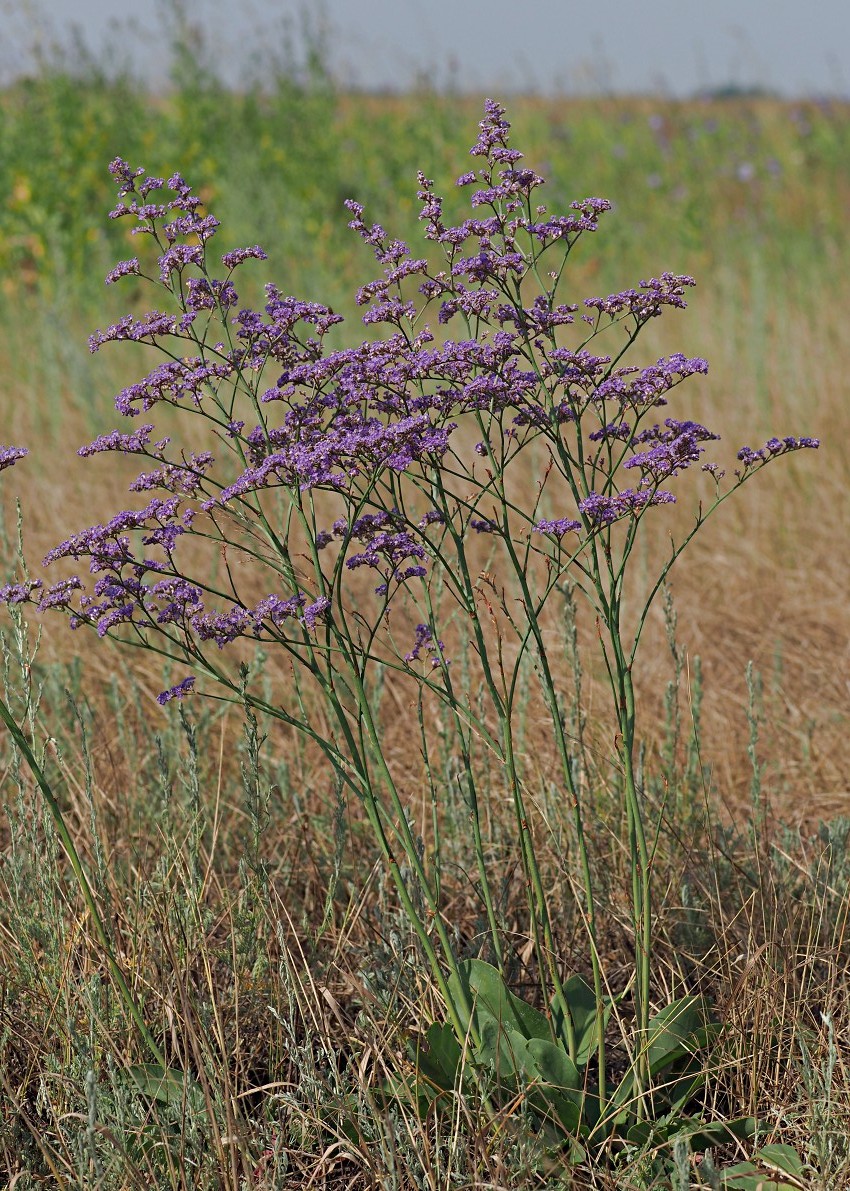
701	182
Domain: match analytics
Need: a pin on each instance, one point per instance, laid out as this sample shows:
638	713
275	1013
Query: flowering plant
406	457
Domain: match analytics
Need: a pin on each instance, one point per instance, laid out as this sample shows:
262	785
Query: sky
664	47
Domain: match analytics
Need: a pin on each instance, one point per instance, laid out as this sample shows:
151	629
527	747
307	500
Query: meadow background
244	900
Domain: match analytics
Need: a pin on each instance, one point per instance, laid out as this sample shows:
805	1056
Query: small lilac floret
130	444
9	456
123	269
602	510
315	612
19	593
60	594
180	691
425	641
178	257
483	525
775	447
558	527
231	260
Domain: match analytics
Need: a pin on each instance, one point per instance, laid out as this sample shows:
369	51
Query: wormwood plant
405	459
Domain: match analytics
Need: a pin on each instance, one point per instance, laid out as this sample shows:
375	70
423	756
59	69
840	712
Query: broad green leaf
677	1093
168	1086
679	1029
703	1136
491	997
746	1177
700	1136
558	1080
554	1065
554	1082
581	1000
502	1048
783	1158
440	1061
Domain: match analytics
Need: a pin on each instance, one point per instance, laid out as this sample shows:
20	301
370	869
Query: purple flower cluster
123	269
672	449
365	427
186	478
180	691
9	456
154	325
425	641
602	509
19	593
171	382
559	527
130	444
239	621
647	301
773	448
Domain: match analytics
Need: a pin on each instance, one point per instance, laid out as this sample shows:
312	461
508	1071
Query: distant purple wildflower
425	641
647	301
9	456
602	510
180	691
177	257
315	612
59	595
558	528
19	593
774	447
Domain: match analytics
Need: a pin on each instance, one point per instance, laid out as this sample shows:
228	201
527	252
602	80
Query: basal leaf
168	1086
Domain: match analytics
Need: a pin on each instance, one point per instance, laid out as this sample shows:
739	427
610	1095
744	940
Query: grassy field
244	899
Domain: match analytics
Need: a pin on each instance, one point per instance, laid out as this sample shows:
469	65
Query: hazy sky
669	46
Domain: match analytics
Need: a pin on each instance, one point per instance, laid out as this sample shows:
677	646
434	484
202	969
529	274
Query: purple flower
224	627
387	550
276	610
59	595
647	301
186	479
153	326
775	447
231	260
9	456
202	294
130	444
124	176
493	130
315	612
675	448
614	430
180	691
177	257
122	269
558	528
19	593
425	640
601	510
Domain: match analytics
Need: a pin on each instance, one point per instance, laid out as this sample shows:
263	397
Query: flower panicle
296	414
